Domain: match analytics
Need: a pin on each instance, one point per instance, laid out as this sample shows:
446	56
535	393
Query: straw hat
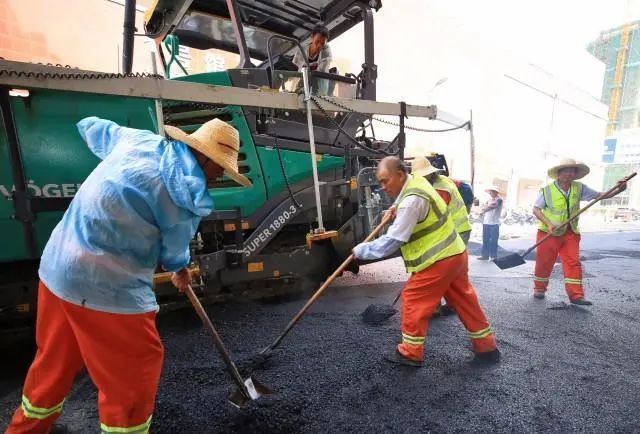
581	169
216	140
422	166
493	188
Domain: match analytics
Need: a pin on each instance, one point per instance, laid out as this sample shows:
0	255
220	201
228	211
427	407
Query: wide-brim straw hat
493	188
421	166
216	140
582	169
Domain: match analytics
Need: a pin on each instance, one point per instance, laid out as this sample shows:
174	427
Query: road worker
436	257
318	53
448	191
139	207
555	204
464	188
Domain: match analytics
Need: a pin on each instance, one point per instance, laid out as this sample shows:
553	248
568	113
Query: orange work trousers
122	353
568	247
448	278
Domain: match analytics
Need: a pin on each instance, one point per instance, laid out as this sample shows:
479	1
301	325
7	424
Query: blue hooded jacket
138	208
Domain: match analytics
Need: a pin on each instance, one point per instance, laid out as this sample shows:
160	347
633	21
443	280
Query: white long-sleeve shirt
410	211
322	63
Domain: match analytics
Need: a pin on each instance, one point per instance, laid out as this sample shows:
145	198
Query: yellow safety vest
456	205
434	238
560	208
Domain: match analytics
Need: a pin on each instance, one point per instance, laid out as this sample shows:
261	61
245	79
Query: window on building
627	119
633	55
607	86
630	87
612	55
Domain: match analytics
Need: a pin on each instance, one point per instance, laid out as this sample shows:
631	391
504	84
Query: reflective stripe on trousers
33	412
481	333
447	278
138	429
567	247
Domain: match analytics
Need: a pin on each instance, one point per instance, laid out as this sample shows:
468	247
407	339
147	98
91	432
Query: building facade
619	50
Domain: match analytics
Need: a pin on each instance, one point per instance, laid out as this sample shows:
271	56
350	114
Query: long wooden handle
325	285
217	340
165	277
574	217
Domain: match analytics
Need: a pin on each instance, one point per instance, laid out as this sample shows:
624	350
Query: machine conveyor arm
33	76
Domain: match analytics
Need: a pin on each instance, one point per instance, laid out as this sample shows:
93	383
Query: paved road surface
563	370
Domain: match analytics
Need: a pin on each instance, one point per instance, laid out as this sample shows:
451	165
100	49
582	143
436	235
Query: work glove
181	279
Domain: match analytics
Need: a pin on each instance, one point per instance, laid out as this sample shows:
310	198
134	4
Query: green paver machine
314	193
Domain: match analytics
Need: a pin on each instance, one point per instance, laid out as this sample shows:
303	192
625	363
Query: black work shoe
487	358
447	310
581	301
59	429
538	295
436	313
483	258
397	358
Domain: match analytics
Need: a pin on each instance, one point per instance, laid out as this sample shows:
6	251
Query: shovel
265	353
249	389
515	259
376	314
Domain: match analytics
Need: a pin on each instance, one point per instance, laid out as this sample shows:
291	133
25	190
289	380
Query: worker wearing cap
448	191
555	204
96	308
436	257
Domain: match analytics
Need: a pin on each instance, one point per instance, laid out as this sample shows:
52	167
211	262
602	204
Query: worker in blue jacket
139	207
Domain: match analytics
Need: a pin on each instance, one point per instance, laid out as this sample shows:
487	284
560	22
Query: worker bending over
436	257
96	308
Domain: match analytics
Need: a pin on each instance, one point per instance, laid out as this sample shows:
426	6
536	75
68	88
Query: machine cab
261	37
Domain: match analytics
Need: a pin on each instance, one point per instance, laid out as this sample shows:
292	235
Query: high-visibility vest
434	238
456	206
560	207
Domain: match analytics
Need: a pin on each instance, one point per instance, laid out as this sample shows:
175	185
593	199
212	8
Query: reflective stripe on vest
434	238
32	412
456	206
559	208
138	429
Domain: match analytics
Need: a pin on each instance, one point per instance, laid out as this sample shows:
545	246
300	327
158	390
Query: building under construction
619	49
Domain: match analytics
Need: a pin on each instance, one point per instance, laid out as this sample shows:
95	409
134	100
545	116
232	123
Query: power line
554	96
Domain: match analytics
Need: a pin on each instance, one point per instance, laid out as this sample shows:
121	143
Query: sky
473	44
548	33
